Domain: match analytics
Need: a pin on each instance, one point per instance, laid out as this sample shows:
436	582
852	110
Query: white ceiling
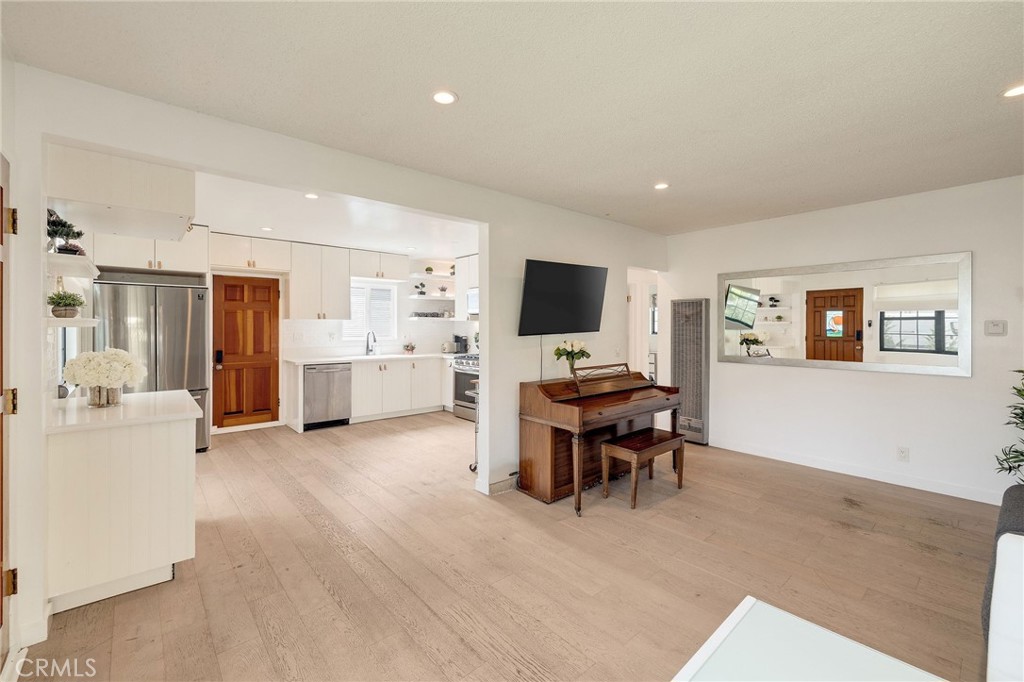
749	110
241	207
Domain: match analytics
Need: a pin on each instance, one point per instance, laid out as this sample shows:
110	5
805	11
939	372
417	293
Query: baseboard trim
12	665
496	488
392	415
884	476
95	593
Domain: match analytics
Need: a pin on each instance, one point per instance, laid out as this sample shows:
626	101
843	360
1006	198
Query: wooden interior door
835	325
245	376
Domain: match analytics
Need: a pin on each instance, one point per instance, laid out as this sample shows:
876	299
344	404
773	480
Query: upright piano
562	423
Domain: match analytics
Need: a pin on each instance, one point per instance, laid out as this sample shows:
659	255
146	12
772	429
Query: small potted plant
64	304
430	270
453	270
778	318
409	347
62	233
443	289
421	289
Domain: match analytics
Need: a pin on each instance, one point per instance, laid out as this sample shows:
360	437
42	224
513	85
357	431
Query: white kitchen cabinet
234	251
367	389
99	178
374	265
396	380
474	271
447	384
319	287
335	283
426	382
271	254
190	254
461	287
137	253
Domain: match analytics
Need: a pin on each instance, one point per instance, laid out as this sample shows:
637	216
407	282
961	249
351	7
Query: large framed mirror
909	315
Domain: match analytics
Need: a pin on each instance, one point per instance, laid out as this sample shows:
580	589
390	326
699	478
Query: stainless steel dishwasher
326	395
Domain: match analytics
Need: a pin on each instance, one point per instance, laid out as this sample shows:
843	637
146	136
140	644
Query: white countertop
319	358
74	414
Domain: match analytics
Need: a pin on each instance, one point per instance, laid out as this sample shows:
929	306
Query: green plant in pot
1012	459
62	233
64	304
421	289
430	270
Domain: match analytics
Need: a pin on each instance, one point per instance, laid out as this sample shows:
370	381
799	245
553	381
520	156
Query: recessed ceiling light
312	196
1014	92
661	185
445	97
267	229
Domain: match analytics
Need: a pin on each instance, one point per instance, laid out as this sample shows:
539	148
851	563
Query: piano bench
639	448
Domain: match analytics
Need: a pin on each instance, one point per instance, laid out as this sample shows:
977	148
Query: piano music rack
594	380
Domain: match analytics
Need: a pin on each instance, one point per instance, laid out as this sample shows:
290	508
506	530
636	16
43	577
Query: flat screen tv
561	298
741	307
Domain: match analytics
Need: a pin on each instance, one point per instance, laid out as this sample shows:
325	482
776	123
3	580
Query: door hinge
9	404
10	582
11	220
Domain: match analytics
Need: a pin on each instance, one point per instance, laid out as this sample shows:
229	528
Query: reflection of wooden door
835	328
245	382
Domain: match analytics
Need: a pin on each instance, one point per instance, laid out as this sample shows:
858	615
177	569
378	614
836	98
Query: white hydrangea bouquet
571	351
105	374
749	339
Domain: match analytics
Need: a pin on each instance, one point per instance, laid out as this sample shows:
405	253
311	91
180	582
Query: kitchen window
374	308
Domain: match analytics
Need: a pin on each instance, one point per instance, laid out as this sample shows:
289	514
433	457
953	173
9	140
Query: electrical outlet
902	454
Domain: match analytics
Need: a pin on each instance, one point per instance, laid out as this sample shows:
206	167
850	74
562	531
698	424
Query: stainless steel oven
467	371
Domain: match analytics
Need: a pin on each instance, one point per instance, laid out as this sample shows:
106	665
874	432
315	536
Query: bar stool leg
633	480
650	469
604	473
677	454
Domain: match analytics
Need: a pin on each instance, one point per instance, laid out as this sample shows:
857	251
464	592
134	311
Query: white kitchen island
121	485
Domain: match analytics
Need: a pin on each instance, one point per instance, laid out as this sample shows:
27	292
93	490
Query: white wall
854	421
515	230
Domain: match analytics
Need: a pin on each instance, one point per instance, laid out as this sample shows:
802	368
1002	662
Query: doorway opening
642	305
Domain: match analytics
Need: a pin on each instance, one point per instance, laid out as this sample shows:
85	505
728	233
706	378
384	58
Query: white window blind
373	309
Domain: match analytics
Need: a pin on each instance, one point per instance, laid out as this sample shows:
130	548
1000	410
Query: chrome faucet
371	348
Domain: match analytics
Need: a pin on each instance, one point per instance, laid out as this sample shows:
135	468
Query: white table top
74	414
761	642
321	357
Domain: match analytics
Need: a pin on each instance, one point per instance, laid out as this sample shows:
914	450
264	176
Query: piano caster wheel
472	467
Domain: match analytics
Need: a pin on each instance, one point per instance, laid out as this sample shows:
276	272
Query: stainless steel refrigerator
161	319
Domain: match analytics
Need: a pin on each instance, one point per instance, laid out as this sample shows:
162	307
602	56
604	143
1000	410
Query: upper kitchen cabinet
374	265
108	193
233	251
189	254
467	276
318	287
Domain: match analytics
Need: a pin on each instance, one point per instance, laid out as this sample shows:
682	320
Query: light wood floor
363	553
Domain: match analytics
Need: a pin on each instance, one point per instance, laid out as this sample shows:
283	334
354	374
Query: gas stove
468	363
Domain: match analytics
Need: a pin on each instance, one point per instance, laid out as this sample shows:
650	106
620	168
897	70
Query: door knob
218	367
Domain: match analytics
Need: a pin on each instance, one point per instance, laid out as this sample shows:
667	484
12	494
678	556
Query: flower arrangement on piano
571	351
749	339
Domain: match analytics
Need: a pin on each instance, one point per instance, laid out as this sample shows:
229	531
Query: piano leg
577	472
675	427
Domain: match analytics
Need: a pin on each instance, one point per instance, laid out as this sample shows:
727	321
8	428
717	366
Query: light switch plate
995	327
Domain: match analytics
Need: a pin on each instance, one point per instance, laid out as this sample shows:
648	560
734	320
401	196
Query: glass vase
101	396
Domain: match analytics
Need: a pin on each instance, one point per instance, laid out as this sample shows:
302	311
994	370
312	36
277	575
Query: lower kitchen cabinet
390	386
426	382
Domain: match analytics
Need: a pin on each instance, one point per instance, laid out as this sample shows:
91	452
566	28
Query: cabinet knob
149	264
159	265
254	263
414	365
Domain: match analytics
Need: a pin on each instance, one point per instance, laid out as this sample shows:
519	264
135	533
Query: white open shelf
433	297
430	275
67	265
433	319
71	322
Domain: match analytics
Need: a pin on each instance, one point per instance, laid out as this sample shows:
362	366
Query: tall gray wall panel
691	356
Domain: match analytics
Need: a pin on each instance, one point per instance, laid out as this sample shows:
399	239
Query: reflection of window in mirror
919	331
654	314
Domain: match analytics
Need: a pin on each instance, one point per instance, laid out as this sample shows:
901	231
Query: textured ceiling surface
748	110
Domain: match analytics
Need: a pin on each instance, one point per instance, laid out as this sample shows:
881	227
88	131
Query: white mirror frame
961	259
